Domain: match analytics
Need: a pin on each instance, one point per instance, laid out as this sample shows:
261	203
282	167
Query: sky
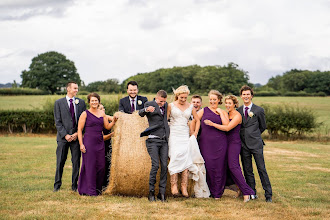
120	38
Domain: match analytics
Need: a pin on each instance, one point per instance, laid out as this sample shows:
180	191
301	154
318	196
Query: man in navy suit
133	102
67	111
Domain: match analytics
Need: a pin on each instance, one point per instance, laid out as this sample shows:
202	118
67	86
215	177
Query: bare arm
106	123
107	136
197	122
168	111
81	125
200	114
224	116
232	124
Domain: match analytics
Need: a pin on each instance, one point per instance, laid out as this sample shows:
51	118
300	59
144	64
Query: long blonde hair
180	90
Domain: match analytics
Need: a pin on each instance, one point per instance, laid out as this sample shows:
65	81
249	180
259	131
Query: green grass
299	173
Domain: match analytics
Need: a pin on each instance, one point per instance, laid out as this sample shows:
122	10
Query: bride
184	152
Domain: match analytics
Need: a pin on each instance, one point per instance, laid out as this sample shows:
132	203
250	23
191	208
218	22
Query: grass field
299	173
321	105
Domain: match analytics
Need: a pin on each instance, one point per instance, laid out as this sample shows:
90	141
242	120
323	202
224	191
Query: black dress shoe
151	196
161	197
56	189
74	189
269	199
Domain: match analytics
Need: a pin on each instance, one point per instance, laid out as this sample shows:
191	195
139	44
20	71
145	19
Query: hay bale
131	164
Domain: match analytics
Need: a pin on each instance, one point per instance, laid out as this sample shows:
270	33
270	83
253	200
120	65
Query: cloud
25	9
117	39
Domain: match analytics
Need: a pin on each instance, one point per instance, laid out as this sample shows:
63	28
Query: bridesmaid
92	146
213	144
234	145
108	150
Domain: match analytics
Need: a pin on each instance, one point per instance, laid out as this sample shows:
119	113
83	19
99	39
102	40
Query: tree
50	72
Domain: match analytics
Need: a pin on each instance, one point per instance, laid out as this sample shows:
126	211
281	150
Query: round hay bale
130	161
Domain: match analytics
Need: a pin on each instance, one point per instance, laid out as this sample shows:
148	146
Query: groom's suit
157	143
252	144
64	126
125	104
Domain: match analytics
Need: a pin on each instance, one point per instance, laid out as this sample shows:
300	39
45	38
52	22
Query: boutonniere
76	101
139	102
251	114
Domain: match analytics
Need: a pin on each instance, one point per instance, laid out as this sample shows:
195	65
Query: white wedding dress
184	151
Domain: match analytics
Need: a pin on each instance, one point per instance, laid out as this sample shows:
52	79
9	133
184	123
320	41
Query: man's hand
150	109
68	138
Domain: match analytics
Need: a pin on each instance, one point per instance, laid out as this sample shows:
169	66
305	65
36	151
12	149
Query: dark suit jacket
252	127
63	119
125	104
158	124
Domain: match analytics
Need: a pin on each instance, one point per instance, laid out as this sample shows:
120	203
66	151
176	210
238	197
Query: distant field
321	105
299	173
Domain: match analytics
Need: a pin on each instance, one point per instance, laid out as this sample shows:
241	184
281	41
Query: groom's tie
72	113
132	106
246	112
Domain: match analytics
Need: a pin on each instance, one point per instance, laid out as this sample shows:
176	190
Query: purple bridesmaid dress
234	149
93	161
213	147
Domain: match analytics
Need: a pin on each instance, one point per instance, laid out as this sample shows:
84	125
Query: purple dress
234	149
213	147
93	161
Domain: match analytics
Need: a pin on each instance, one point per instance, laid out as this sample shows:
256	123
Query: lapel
128	104
65	103
77	109
158	109
251	110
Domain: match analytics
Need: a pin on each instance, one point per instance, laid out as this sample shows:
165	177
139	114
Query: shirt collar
131	99
68	98
249	106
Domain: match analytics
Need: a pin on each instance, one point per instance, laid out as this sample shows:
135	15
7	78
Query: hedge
40	120
22	91
289	120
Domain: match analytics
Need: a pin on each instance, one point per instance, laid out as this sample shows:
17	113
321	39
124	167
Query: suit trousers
246	158
158	151
61	156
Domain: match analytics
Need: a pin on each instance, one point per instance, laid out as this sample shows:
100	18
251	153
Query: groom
158	133
67	111
253	124
132	102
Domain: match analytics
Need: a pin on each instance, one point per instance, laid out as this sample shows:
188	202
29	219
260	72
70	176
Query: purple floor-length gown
213	146
93	161
234	149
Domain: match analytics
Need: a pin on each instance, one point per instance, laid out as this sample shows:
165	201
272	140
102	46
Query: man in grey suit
253	124
157	142
67	111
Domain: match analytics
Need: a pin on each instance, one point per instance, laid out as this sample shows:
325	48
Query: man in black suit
132	102
253	124
67	111
157	142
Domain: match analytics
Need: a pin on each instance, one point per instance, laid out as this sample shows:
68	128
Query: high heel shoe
249	197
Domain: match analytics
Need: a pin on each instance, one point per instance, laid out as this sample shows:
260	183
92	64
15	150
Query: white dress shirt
250	106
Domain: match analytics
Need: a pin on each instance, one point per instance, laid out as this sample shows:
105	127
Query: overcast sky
120	38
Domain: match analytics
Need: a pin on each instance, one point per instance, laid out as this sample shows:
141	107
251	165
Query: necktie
132	106
162	110
72	113
246	112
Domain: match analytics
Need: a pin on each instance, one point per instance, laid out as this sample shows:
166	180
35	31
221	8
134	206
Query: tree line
51	71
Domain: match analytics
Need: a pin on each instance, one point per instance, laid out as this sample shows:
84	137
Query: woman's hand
82	148
208	122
